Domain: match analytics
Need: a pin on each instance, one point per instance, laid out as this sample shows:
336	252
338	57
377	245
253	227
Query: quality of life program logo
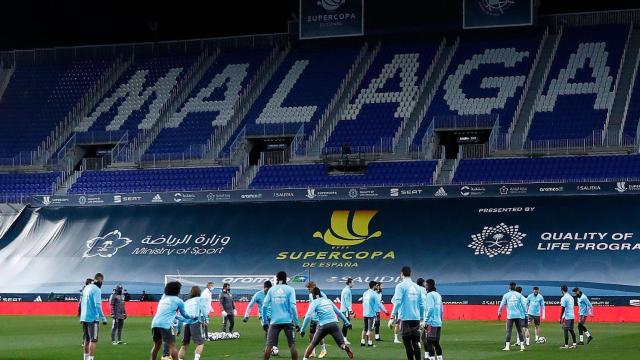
348	228
106	246
497	240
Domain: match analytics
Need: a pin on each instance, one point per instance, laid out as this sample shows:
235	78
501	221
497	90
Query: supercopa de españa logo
347	230
497	240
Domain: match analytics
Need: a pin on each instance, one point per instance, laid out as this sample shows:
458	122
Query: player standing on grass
409	308
281	301
196	305
90	314
166	313
585	309
423	292
380	308
524	320
258	299
346	302
433	320
118	314
536	310
207	294
515	304
567	317
369	306
228	308
325	312
314	323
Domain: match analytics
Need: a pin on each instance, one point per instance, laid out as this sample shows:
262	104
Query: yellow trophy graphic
343	232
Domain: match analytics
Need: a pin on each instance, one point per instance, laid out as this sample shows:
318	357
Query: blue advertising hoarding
331	18
471	246
497	13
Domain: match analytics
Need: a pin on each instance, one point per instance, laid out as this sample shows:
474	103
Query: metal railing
382	146
629	93
335	105
179	94
248	96
423	111
316	143
525	91
63	130
595	141
421	89
593	18
617	83
280	129
552	56
484	121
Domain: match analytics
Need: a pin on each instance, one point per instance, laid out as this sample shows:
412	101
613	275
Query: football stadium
332	179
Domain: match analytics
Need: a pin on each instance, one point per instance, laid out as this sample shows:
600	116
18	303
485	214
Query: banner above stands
331	18
497	13
362	193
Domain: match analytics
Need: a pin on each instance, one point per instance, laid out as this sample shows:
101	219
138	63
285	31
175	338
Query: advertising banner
331	18
473	247
355	193
497	13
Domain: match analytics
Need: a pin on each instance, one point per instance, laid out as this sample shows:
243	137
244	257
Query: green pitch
60	337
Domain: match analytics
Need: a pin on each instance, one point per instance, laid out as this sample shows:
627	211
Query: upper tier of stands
38	97
580	88
485	80
299	91
385	99
210	104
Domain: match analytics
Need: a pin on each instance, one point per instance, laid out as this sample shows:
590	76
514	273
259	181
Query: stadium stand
386	97
152	180
561	168
300	90
210	104
38	97
14	187
630	129
135	101
486	80
580	87
317	175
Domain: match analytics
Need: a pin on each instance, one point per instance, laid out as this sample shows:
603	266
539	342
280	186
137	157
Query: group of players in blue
417	316
521	312
417	312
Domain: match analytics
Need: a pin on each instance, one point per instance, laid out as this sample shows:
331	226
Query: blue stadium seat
317	175
386	97
15	187
560	168
155	180
579	91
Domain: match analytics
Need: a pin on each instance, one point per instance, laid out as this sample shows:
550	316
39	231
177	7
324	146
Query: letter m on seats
130	96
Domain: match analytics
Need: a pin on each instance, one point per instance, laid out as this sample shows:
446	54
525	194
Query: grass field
59	338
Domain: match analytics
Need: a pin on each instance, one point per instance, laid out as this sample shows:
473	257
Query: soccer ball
236	335
275	351
541	340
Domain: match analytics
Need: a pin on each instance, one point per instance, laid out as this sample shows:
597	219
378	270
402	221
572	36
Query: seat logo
497	240
106	246
349	228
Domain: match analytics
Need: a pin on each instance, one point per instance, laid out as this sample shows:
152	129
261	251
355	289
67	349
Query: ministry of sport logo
331	5
497	240
349	228
106	246
495	7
